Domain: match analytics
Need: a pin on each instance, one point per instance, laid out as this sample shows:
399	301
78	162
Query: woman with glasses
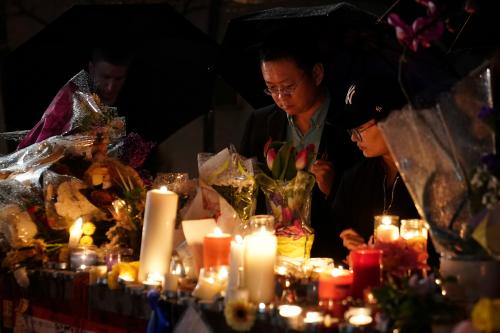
293	75
374	186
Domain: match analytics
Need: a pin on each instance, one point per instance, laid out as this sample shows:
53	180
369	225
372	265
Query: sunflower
240	315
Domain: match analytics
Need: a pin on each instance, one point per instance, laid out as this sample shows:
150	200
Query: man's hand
323	171
351	239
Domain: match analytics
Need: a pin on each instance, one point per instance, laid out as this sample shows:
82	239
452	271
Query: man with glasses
374	186
301	114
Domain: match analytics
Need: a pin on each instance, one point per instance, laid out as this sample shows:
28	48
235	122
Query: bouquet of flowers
287	186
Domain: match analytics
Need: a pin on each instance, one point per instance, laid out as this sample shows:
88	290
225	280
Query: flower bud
270	157
301	159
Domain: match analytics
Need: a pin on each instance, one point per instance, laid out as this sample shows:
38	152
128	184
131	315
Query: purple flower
492	161
486	112
422	31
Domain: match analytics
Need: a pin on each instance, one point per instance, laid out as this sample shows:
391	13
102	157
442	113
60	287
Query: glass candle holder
261	222
386	228
82	258
415	232
366	266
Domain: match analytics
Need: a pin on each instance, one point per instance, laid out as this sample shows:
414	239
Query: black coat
272	122
359	198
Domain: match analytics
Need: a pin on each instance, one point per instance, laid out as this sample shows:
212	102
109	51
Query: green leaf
284	154
276	171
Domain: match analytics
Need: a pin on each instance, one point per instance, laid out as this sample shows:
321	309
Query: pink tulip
301	159
270	157
286	214
267	145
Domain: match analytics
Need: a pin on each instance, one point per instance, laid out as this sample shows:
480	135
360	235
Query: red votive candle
216	249
335	284
366	265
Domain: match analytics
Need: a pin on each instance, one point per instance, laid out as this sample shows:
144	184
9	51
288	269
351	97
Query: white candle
313	317
259	261
208	286
75	233
386	229
289	311
157	232
360	320
235	264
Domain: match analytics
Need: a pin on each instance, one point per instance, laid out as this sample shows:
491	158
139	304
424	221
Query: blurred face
369	139
292	89
107	80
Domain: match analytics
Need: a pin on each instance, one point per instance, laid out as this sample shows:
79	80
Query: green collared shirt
300	141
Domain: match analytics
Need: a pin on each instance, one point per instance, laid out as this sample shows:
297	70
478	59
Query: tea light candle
414	232
366	266
358	317
259	261
386	228
216	249
313	317
153	279
83	258
96	273
208	286
289	311
75	233
335	284
157	232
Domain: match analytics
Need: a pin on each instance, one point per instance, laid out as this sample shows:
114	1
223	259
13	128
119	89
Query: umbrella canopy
170	79
352	43
338	29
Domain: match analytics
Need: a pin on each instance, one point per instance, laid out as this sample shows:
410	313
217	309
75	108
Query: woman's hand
351	239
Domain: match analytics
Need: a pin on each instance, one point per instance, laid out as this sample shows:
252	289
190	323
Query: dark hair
290	44
114	53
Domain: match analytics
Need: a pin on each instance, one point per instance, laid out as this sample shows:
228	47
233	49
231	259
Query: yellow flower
86	241
485	315
240	315
88	228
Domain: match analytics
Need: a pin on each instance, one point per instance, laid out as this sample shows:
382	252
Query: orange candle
216	248
335	284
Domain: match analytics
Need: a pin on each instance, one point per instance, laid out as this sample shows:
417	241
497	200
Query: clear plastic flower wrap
436	150
76	110
232	176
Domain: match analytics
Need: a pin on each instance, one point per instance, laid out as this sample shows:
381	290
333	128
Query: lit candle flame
238	239
218	231
163	189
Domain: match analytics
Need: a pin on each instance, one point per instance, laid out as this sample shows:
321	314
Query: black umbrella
352	42
338	29
170	79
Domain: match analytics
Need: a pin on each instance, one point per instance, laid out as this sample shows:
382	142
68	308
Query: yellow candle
414	232
75	233
259	261
157	232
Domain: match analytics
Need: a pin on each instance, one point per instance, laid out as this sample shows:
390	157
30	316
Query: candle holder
260	259
357	320
414	232
386	228
82	258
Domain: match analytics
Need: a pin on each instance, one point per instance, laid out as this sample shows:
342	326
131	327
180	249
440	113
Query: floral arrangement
240	315
399	258
287	186
413	304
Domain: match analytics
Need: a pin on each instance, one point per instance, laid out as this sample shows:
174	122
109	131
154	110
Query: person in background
107	71
374	186
302	113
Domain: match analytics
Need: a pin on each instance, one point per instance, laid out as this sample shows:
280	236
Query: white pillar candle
235	264
75	233
157	232
259	260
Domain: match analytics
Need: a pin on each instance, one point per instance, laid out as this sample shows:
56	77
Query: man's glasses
356	132
283	91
